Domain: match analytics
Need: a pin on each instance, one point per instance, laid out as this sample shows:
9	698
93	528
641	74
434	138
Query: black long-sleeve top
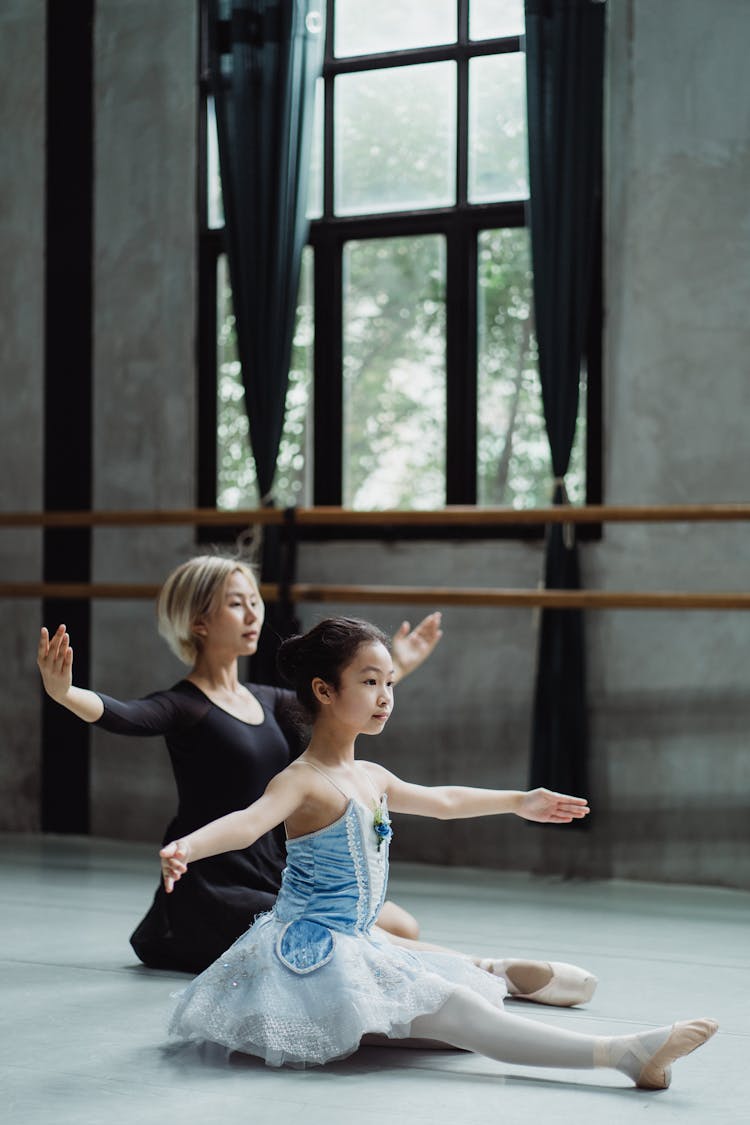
220	764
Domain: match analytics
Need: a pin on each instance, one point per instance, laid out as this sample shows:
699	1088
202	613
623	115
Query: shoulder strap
371	787
328	777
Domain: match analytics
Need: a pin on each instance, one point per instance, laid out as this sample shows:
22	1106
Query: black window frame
460	225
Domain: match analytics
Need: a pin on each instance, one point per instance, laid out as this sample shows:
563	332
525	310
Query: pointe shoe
566	985
656	1073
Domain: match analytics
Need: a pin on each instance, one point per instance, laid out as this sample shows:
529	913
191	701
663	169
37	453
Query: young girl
311	978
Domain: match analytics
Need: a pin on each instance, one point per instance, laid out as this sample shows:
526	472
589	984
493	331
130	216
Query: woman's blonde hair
190	593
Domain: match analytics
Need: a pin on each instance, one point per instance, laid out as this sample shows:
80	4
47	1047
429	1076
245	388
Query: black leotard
220	764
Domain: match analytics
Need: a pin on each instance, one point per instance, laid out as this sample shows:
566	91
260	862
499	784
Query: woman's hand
55	661
410	649
174	863
545	807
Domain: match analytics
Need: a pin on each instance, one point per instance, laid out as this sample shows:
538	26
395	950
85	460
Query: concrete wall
22	127
144	366
669	712
668	691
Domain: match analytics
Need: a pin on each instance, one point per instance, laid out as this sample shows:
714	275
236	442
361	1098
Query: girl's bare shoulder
377	775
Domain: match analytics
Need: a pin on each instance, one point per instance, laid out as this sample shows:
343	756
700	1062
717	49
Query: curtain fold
264	59
565	60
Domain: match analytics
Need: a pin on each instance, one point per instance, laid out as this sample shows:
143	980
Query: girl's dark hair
324	651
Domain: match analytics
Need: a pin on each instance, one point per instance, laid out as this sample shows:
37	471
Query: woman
226	741
308	981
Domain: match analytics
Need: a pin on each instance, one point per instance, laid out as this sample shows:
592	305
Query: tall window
414	379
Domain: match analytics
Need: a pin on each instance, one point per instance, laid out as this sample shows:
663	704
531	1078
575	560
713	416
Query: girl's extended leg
472	1023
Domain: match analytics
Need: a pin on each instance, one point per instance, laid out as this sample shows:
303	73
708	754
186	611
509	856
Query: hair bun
322	653
288	658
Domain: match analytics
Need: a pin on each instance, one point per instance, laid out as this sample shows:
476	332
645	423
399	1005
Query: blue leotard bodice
334	882
336	876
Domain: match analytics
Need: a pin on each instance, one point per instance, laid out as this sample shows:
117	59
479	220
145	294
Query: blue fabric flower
381	823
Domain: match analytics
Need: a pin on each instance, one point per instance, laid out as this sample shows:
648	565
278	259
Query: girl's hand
55	661
410	649
174	863
545	807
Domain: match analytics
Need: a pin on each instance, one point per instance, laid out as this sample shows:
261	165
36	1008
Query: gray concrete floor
82	1025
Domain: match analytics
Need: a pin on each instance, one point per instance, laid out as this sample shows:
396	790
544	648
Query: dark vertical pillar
68	387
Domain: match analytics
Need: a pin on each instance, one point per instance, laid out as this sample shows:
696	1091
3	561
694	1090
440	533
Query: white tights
469	1021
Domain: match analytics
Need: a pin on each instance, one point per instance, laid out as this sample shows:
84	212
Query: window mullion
462	11
328	146
328	369
461	367
462	131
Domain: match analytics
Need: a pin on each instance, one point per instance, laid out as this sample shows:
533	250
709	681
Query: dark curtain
264	59
565	51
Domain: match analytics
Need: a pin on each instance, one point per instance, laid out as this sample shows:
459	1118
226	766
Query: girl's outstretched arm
449	802
236	830
55	661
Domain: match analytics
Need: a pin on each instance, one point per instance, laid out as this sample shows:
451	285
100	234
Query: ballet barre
411	595
450	516
456	515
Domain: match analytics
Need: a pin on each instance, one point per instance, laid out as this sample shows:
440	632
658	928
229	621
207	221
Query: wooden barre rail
452	516
436	596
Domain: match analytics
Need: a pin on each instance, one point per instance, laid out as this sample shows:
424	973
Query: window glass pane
514	465
394	373
363	27
215	202
491	19
395	139
498	156
237	484
315	187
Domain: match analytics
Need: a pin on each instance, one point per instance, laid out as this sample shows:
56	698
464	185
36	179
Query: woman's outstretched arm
411	647
55	661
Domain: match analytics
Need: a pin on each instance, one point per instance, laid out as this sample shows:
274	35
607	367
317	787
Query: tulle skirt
305	1010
